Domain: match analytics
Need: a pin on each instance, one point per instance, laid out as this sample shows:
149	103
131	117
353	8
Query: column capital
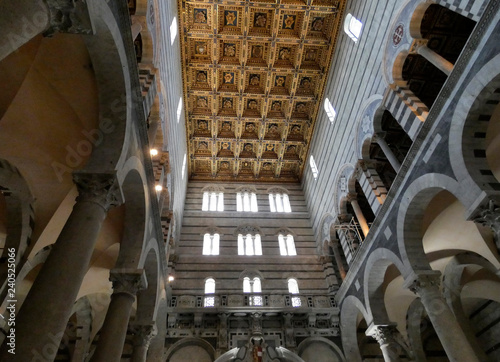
420	281
384	334
418	43
100	188
128	281
143	333
352	197
489	215
69	16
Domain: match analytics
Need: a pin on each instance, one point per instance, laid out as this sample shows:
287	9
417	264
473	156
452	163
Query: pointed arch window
211	244
287	244
279	202
246	201
249	244
213	201
209	289
293	288
352	27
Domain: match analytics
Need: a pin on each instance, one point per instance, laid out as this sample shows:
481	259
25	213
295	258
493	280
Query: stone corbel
69	16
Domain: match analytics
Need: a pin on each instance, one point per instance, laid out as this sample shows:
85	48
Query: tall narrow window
253	286
287	244
209	289
293	288
211	244
279	203
249	244
330	111
213	201
352	27
314	168
246	201
173	30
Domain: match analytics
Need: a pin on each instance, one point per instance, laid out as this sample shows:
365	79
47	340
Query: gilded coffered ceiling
254	74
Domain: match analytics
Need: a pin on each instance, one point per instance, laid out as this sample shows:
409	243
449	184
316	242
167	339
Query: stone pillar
359	214
387	152
126	284
22	20
420	47
490	216
338	260
426	285
143	334
384	334
42	320
289	336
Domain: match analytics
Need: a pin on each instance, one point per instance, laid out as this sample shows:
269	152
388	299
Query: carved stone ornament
490	216
420	282
128	281
383	334
99	188
143	334
69	16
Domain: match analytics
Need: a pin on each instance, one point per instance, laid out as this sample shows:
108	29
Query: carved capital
128	281
417	43
143	334
422	282
352	197
383	334
99	188
69	16
490	216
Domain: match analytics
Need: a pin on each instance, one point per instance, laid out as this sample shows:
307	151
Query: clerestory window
352	27
330	111
293	288
287	244
209	289
279	203
246	201
253	286
213	201
249	244
314	168
211	244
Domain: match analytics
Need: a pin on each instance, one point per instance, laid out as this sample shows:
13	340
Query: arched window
213	201
209	289
211	244
352	27
330	111
253	286
249	244
287	244
314	168
279	202
293	288
246	201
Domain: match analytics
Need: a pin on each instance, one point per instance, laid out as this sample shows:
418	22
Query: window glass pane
239	202
290	245
296	302
355	27
253	203
206	244
314	169
209	286
279	203
281	240
271	203
241	245
293	286
256	286
258	245
215	244
213	201
204	206
246	285
286	203
246	202
209	302
220	205
248	245
256	300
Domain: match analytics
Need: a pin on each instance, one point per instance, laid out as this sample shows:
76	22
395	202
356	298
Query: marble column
396	165
42	320
22	20
426	285
126	284
420	47
143	334
359	214
384	335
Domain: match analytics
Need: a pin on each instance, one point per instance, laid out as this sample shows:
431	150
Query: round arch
314	342
190	342
349	310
